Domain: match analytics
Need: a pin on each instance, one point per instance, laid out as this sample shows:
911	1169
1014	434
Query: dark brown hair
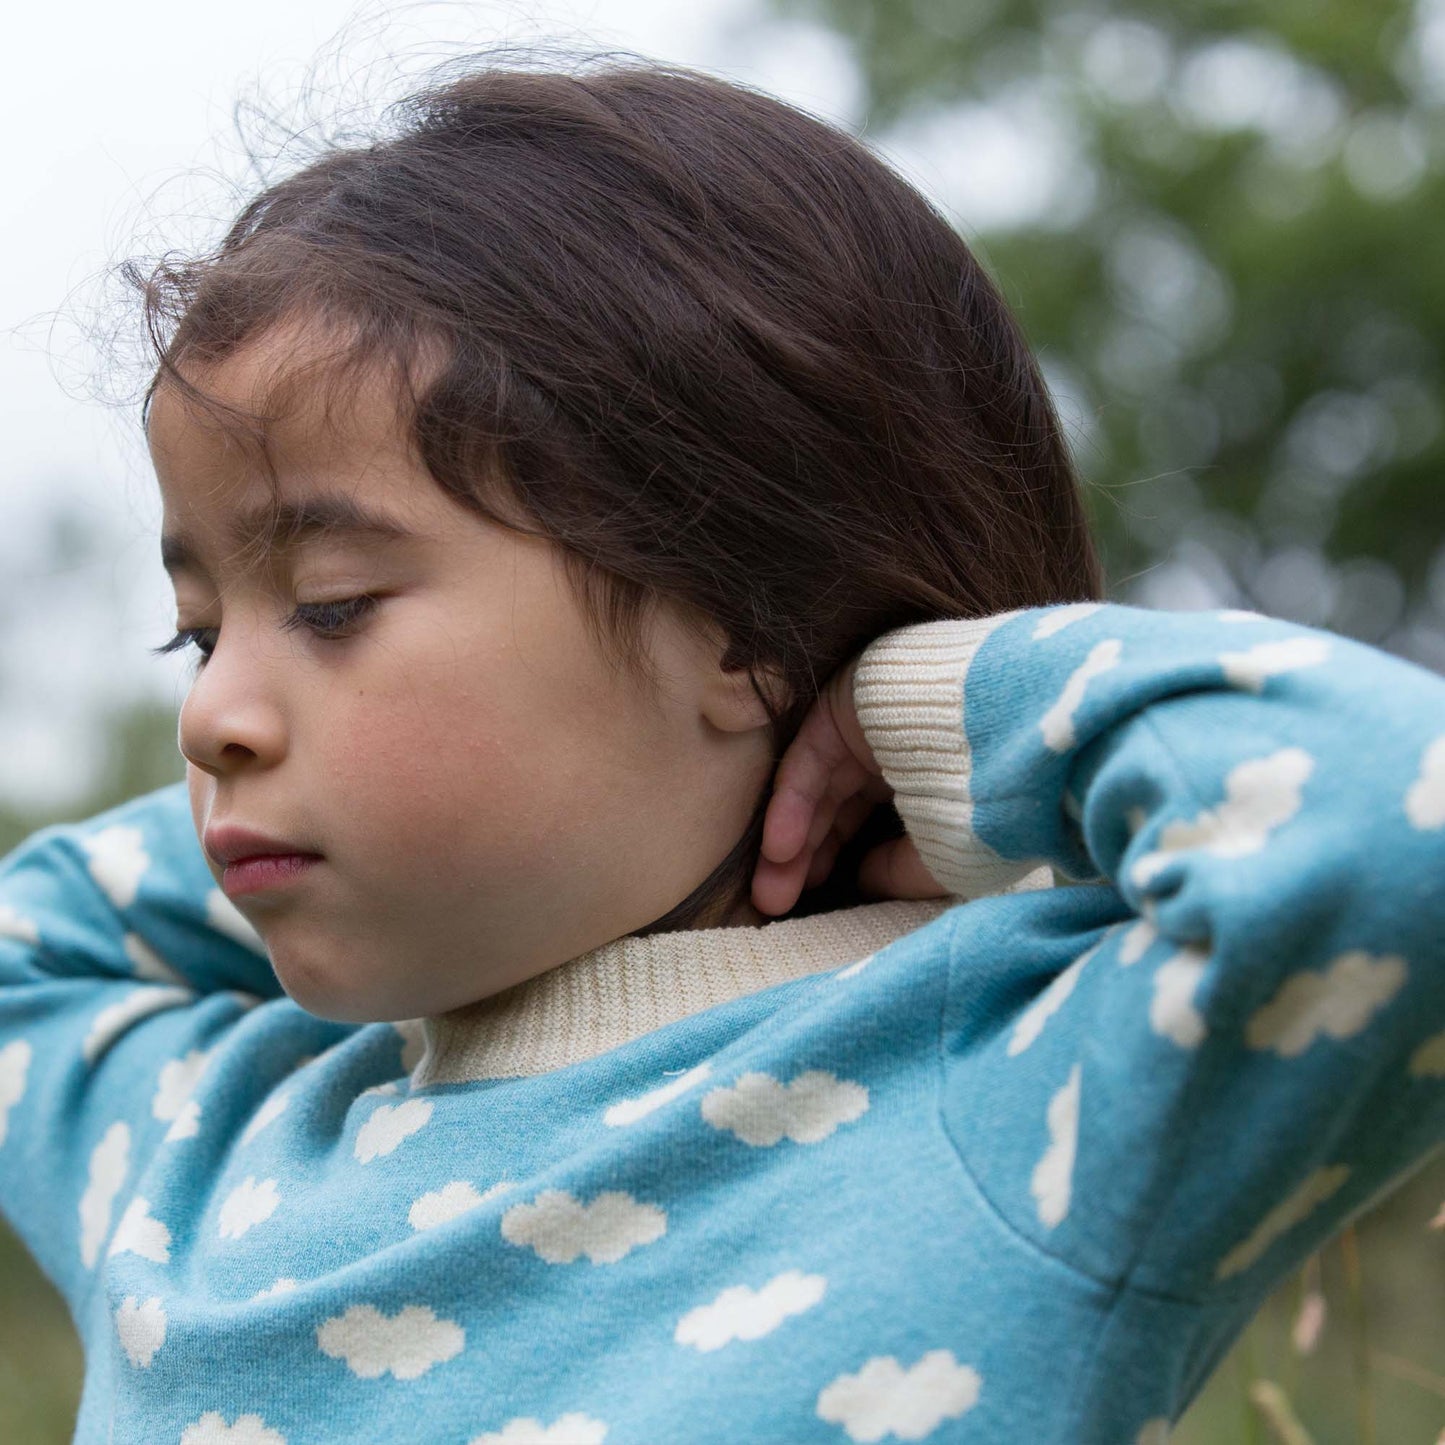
712	347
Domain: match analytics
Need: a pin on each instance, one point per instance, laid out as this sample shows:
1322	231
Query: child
601	507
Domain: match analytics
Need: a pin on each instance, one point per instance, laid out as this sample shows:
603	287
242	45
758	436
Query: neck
632	986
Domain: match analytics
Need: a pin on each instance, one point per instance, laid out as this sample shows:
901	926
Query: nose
231	717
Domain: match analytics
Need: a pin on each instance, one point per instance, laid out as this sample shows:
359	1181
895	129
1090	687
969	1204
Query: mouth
265	872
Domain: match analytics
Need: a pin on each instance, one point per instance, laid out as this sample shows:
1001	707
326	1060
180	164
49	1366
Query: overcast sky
111	114
117	117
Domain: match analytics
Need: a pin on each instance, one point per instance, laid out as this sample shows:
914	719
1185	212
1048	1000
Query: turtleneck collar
632	986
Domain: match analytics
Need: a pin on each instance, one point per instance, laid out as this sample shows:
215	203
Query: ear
731	703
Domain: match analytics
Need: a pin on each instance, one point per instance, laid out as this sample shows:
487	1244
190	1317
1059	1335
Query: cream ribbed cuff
910	691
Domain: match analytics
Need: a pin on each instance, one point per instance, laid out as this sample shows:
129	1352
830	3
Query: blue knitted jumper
1013	1165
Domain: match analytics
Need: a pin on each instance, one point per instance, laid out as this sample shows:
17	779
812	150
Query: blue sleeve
126	977
1222	1034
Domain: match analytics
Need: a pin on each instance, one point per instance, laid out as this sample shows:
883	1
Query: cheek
448	778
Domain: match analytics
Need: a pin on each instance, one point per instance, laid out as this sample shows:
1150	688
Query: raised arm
1185	1070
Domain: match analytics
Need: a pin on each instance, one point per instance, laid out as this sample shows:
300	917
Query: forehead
289	398
282	446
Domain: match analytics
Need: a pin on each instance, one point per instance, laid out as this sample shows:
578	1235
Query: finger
894	870
825	817
817	765
777	886
786	824
854	812
823	860
850	791
825	851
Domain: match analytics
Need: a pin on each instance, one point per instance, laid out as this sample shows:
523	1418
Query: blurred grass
1403	1338
1398	1335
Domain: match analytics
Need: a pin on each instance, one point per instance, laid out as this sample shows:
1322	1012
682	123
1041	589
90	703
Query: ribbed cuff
910	694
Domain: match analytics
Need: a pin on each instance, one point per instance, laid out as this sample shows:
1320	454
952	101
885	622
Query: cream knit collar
632	986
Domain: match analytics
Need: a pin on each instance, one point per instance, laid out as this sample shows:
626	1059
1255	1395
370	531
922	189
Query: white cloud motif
118	862
177	1082
762	1112
450	1202
1053	1175
246	1206
1320	1186
225	917
14	1064
1259	796
1425	797
275	1105
1253	668
284	1285
1061	617
1339	1002
1428	1061
17	926
854	969
570	1429
141	1329
1239	614
187	1123
883	1398
560	1228
139	1232
1172	1014
1057	724
406	1344
740	1313
211	1429
109	1161
147	963
1137	942
114	1019
629	1111
1032	1020
388	1125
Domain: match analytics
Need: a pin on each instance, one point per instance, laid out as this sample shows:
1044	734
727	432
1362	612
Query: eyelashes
326	620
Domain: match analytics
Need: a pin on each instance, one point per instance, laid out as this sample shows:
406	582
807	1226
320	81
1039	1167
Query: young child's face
489	795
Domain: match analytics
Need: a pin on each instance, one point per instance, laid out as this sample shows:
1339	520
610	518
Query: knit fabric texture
1015	1164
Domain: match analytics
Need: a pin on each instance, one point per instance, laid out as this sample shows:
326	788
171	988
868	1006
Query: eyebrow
291	524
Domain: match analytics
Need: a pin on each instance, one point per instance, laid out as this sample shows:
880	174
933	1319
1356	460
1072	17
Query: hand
826	785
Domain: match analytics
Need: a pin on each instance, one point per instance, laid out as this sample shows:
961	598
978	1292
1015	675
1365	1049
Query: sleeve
1222	1034
125	975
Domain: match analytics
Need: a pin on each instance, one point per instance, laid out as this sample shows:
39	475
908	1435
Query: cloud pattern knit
1013	1165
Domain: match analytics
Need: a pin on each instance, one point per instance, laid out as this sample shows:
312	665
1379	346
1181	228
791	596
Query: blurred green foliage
1230	274
1222	248
139	753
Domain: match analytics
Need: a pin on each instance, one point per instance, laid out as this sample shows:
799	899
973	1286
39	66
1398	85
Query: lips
228	843
266	872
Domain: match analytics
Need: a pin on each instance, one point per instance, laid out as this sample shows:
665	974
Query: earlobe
732	703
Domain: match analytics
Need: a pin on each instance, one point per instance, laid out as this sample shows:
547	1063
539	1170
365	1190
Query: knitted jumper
1013	1165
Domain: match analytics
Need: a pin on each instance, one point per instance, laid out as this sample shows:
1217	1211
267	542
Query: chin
322	993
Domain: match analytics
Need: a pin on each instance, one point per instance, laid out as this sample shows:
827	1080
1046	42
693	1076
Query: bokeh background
1218	221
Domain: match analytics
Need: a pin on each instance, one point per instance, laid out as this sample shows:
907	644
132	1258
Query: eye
330	619
324	619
